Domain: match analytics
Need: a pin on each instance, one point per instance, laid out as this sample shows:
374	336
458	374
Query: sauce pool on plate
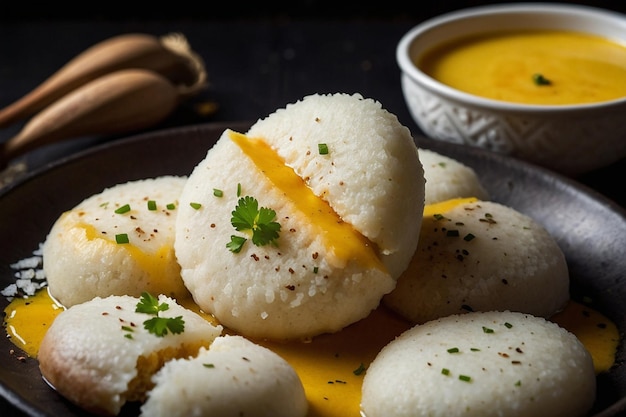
331	366
538	67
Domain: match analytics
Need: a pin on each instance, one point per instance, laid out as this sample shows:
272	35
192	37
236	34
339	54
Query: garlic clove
170	56
122	101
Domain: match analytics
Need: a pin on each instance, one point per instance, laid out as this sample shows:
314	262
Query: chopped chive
208	365
128	335
238	189
508	325
475	349
445	371
359	370
124	209
465	378
469	237
195	206
453	350
152	205
218	193
127	328
322	148
487	330
171	206
452	233
316	269
121	239
518	384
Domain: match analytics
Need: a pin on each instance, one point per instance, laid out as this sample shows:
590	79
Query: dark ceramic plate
590	229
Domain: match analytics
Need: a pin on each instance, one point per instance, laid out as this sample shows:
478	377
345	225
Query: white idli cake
102	353
117	242
333	189
481	256
484	365
447	178
235	377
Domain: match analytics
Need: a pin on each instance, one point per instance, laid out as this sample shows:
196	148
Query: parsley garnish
159	326
248	217
539	79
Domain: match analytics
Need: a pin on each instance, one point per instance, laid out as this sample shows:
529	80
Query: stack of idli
344	156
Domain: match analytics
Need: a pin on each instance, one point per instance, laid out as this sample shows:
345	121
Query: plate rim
439	146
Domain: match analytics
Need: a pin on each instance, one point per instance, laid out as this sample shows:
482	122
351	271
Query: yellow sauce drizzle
339	237
581	68
445	206
599	334
154	264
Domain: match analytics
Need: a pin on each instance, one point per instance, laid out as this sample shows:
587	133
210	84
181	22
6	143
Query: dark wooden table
258	60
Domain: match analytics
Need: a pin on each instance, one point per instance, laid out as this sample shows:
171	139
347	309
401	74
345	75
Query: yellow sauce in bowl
538	67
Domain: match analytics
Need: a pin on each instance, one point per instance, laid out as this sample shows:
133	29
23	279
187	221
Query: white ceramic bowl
571	139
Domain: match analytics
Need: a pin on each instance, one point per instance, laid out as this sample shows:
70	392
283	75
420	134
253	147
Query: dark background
211	10
259	56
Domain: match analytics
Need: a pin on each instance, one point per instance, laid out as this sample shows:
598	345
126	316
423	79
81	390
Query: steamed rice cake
448	178
234	377
481	256
482	364
340	155
99	354
117	242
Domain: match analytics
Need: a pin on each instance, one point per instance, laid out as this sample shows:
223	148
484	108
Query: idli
117	242
483	364
481	256
235	377
103	353
448	178
301	225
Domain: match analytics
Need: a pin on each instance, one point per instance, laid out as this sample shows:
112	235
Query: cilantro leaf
236	243
245	213
159	326
149	304
247	217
